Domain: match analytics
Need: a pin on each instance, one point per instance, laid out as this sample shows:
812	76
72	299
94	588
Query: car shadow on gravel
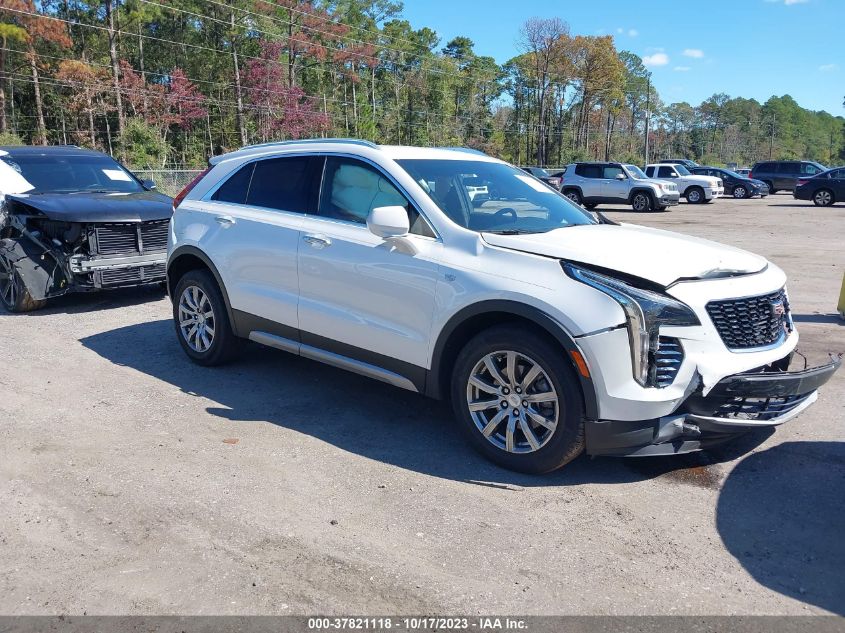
80	302
364	416
781	514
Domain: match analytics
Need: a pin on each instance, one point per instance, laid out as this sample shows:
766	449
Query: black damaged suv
75	220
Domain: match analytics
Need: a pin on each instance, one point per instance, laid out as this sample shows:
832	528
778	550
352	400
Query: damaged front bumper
734	405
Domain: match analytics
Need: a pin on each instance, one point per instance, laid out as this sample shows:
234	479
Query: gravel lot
133	482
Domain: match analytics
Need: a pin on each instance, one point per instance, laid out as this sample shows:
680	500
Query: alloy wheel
8	283
822	198
196	319
573	195
640	202
694	196
512	402
739	192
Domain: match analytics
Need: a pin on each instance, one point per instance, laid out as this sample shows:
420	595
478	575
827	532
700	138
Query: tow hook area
675	427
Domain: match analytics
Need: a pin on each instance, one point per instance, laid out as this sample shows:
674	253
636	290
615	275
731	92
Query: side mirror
388	221
149	184
620	176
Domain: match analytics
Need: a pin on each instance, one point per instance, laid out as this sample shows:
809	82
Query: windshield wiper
513	232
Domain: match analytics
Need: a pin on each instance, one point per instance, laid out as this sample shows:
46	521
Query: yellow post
841	306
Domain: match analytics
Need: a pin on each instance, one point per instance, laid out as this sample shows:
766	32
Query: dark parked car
782	175
546	177
686	162
735	184
823	189
74	220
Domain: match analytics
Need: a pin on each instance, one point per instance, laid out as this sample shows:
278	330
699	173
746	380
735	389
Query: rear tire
771	186
541	428
14	295
202	320
823	198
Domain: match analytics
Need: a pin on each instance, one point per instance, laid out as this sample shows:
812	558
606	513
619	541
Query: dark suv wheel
517	400
201	320
13	292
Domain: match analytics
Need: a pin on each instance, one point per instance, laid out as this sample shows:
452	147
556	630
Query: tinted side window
612	172
665	172
352	188
809	169
839	174
763	168
287	184
789	168
649	171
589	171
236	187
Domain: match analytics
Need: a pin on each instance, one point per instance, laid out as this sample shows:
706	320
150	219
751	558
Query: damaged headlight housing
645	312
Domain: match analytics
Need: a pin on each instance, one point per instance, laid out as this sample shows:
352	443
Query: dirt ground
133	482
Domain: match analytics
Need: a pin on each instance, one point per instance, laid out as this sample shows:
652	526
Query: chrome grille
130	276
751	322
115	239
667	361
154	236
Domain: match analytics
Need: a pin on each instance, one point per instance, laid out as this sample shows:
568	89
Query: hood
100	207
659	256
702	179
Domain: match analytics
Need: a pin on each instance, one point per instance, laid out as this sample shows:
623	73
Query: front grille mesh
122	239
747	408
132	275
667	361
751	322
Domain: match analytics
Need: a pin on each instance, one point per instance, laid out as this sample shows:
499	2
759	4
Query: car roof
47	150
358	147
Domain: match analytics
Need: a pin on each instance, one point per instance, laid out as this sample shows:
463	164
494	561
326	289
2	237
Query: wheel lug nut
516	411
525	403
506	391
518	390
504	404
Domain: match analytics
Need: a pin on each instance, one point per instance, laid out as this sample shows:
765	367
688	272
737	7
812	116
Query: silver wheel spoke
494	422
539	419
545	396
509	434
529	434
483	405
482	384
530	377
494	371
510	364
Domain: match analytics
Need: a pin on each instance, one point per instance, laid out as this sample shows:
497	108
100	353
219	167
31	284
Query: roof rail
468	150
351	141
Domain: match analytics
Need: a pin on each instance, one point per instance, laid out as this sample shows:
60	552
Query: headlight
645	311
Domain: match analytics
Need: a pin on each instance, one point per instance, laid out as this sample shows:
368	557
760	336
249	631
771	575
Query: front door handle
225	220
317	241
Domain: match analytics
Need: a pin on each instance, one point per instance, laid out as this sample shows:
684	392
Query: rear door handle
317	241
225	220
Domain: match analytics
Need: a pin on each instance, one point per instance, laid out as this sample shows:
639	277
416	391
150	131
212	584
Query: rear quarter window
286	184
235	189
589	171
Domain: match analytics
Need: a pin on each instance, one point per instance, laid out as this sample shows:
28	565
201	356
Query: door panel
613	189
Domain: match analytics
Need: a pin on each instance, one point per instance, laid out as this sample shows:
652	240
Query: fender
195	252
536	316
39	271
637	190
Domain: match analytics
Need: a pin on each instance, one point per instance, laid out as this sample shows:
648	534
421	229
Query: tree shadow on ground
781	513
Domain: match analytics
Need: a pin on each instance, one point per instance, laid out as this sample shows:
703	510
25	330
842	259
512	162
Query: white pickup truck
696	189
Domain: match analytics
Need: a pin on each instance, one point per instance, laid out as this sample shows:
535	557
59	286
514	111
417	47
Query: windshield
732	174
70	173
683	171
494	197
636	172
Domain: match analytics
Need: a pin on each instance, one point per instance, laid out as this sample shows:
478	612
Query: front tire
823	198
14	295
517	400
695	195
641	202
740	192
202	321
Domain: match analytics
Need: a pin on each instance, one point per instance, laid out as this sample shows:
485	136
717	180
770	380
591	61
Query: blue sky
748	48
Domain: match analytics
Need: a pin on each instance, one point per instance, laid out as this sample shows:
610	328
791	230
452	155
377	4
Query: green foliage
10	138
142	146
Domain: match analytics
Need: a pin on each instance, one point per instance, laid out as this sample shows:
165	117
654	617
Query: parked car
734	184
596	183
75	220
546	177
823	189
781	175
551	331
686	162
696	189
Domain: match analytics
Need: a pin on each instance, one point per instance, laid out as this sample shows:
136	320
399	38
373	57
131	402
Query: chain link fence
168	181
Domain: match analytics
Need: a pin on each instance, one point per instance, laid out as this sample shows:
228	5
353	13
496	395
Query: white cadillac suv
550	330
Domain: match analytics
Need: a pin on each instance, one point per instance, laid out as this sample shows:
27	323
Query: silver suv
591	184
